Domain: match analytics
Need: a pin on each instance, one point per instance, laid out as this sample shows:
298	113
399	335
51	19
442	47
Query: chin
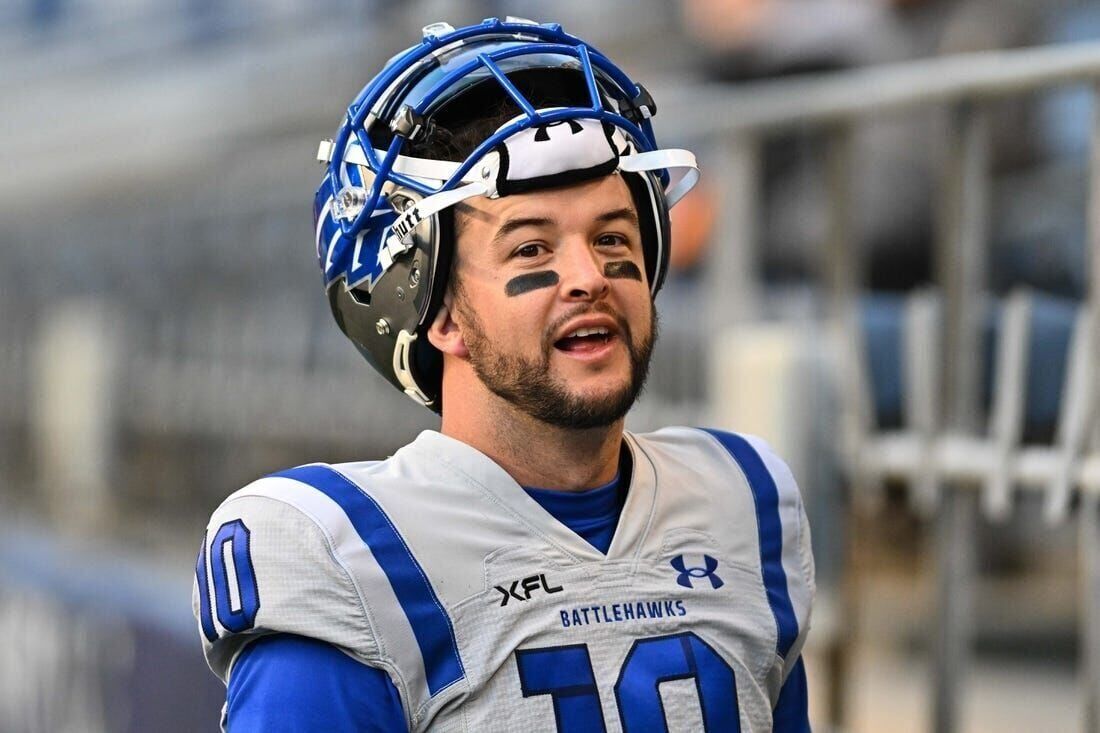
594	408
604	391
599	387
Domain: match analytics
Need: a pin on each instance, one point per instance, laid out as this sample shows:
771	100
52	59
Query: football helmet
383	221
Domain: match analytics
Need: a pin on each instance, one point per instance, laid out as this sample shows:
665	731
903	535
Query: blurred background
885	272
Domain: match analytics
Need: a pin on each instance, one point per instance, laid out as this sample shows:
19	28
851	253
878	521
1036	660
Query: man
493	226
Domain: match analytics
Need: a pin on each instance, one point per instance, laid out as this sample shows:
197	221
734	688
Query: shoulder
765	472
274	559
779	507
748	464
320	551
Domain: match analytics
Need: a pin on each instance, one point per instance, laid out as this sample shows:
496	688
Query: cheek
642	315
507	321
523	318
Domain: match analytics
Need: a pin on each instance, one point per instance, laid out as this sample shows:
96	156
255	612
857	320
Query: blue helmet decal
354	258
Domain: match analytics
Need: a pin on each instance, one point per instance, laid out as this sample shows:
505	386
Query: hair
456	142
456	129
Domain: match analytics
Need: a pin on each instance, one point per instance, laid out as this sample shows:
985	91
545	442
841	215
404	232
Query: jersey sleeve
791	714
290	683
268	566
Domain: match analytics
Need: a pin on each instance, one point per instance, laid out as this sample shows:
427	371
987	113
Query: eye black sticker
527	282
622	269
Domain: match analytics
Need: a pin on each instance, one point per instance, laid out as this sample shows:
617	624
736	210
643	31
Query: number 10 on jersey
236	597
565	674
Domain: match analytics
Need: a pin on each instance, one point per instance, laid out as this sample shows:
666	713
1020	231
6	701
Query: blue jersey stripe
430	623
766	496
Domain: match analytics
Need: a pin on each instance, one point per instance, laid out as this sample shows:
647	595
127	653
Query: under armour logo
707	571
542	133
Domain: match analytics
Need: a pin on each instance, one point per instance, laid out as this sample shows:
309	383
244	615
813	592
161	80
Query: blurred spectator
741	40
692	225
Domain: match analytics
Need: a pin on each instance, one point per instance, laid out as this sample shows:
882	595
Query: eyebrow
512	225
616	214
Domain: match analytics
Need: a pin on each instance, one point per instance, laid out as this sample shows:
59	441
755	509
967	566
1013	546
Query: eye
528	251
612	240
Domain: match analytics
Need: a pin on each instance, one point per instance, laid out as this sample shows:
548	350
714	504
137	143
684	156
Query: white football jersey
490	615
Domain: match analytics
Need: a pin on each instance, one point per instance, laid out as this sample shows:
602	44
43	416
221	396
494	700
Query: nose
582	275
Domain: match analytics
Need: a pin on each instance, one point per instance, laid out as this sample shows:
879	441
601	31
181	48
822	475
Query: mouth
585	341
592	339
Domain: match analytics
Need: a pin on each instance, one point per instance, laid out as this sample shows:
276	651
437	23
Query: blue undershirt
285	683
593	514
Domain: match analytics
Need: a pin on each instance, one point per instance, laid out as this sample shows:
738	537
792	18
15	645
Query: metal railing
945	451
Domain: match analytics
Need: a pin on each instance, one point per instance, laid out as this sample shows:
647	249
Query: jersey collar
459	460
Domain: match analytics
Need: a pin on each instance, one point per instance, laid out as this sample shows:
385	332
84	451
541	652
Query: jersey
487	614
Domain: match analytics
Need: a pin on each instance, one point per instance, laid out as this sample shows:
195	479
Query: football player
492	226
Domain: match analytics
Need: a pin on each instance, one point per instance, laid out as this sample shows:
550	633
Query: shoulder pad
268	564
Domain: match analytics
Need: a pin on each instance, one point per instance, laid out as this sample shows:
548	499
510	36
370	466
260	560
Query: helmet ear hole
360	296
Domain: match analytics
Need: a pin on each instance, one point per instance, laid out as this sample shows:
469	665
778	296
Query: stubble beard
528	384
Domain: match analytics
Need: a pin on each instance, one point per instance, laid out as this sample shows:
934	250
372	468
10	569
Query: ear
445	334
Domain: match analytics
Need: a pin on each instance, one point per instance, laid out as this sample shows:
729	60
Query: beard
527	383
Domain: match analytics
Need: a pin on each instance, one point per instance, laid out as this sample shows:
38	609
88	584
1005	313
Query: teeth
599	331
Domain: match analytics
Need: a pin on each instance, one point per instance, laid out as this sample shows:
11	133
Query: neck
534	453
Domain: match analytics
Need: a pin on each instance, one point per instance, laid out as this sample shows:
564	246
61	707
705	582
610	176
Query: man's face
551	295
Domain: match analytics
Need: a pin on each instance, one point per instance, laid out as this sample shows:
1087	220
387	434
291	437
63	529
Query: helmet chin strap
681	165
684	174
402	228
538	156
533	158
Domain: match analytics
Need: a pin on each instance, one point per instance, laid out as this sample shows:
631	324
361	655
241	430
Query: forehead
567	207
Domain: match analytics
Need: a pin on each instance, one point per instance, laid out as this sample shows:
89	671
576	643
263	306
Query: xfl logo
521	590
706	571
